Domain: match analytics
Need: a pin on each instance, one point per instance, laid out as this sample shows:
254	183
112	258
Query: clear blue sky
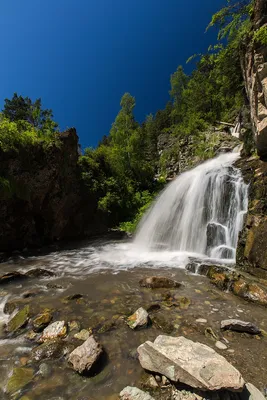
80	56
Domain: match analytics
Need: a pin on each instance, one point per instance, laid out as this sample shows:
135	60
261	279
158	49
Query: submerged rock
41	321
11	277
84	357
158	282
193	364
82	335
139	319
19	379
55	330
220	345
39	273
240	326
133	393
51	349
19	320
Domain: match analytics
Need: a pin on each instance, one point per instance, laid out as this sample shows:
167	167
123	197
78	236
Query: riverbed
96	284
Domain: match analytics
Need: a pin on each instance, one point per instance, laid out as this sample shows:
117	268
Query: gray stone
193	364
138	319
133	393
55	330
240	326
85	356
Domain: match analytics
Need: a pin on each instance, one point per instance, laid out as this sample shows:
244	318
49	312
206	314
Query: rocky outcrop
254	68
46	200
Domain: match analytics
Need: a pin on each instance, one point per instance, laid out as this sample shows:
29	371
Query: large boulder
193	364
84	357
133	393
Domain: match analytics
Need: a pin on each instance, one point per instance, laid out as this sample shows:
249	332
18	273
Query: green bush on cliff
260	36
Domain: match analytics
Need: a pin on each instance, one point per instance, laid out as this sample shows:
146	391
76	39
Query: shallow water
107	275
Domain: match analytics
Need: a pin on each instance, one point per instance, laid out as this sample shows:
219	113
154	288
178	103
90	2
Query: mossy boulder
52	349
19	320
41	321
19	379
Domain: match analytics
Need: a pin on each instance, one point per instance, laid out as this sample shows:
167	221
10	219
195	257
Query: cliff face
46	201
254	67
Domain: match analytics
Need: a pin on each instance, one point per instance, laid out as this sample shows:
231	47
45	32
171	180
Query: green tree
21	108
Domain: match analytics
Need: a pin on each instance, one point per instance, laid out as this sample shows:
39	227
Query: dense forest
125	171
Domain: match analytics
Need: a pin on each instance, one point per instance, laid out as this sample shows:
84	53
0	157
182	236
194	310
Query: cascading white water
201	211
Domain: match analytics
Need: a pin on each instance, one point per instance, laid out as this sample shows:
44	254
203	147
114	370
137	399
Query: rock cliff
45	201
254	68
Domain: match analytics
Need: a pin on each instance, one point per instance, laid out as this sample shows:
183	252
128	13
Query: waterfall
201	211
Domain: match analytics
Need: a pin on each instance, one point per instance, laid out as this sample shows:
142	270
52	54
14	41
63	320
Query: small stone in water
133	393
220	345
82	335
45	370
201	321
85	356
138	319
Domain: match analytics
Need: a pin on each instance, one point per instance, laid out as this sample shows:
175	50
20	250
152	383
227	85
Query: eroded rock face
193	364
49	202
254	67
84	357
133	393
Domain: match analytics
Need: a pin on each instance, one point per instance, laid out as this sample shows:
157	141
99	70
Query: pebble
201	321
220	345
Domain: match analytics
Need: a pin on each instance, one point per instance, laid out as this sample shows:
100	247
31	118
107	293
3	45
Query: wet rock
11	277
30	293
201	321
41	321
210	334
82	335
51	285
163	323
139	319
153	307
45	370
220	345
75	296
12	305
157	282
51	349
193	364
240	326
19	320
107	327
133	393
84	357
31	335
152	383
216	235
19	379
55	330
39	273
251	393
74	326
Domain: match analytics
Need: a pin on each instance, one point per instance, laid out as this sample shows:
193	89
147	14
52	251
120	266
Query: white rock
193	364
132	393
55	330
138	319
240	326
86	355
251	393
220	345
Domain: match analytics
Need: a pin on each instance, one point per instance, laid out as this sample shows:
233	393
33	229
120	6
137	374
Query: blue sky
81	56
